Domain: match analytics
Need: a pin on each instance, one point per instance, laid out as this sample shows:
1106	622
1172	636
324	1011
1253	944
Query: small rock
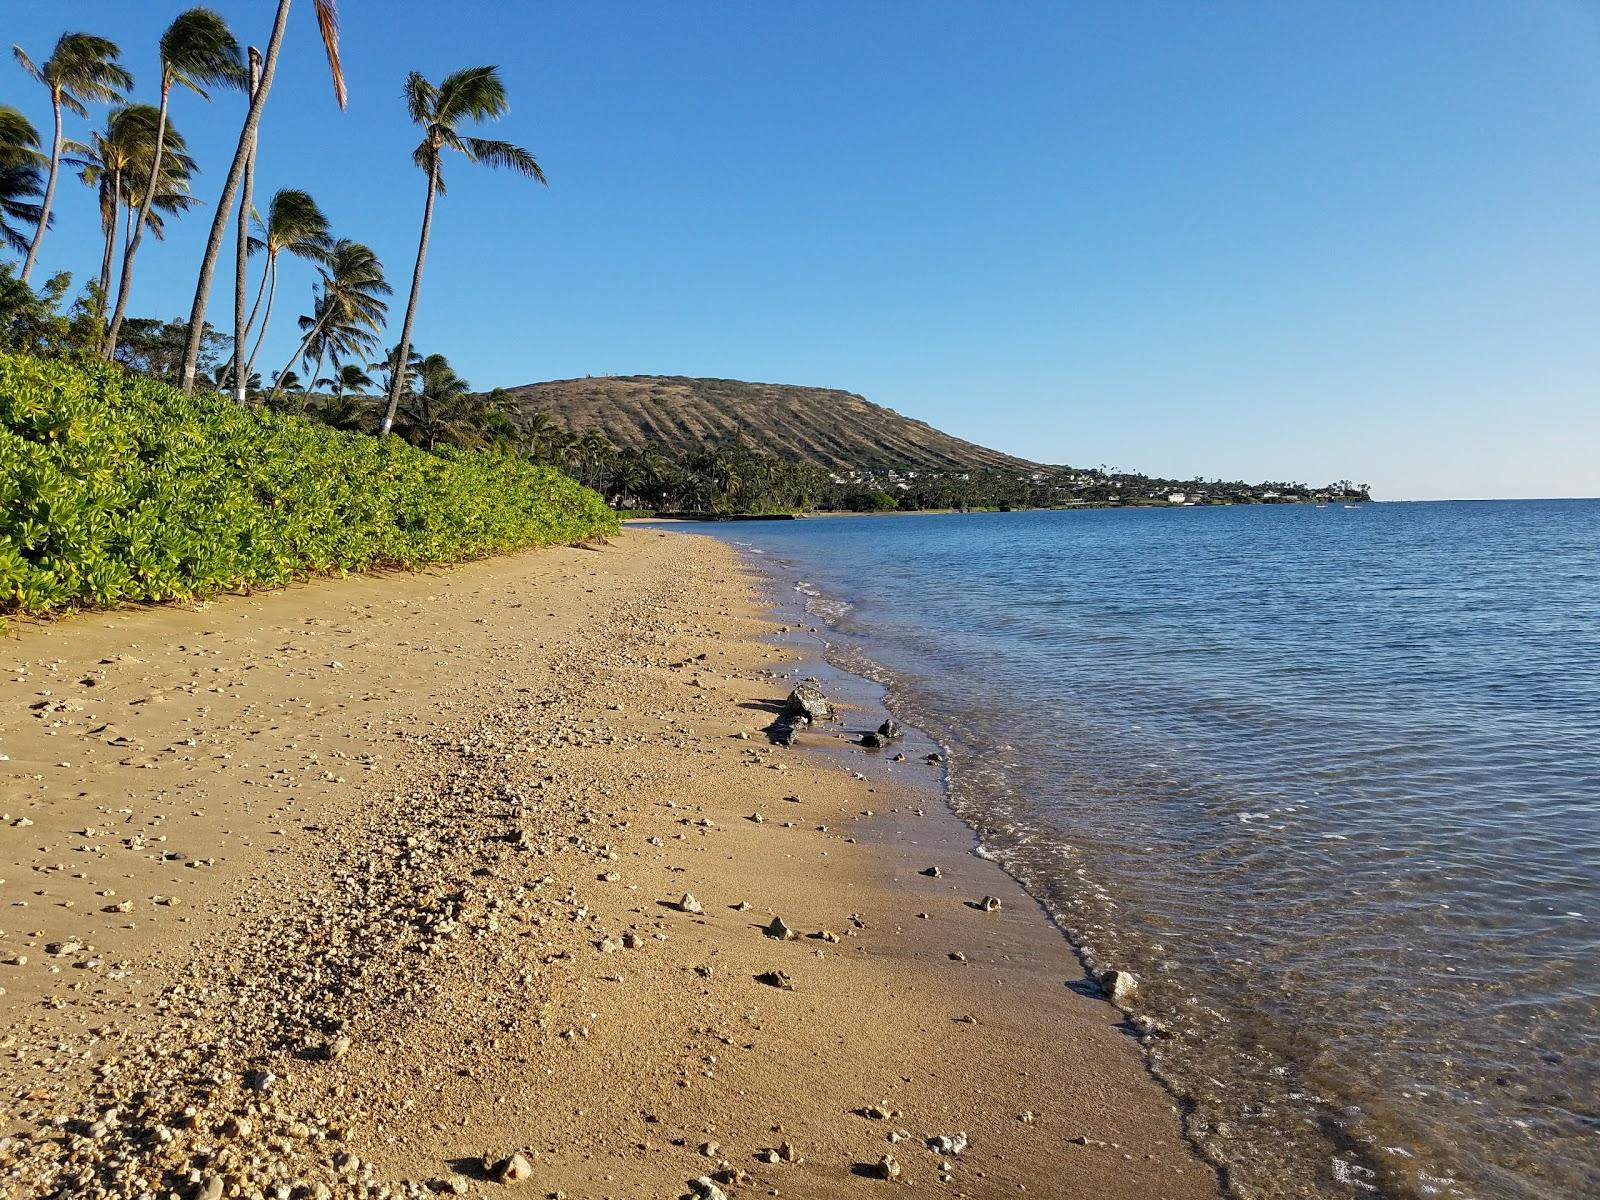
211	1189
990	904
890	730
948	1143
777	979
779	929
706	1188
888	1168
690	905
931	872
516	1169
338	1048
1119	986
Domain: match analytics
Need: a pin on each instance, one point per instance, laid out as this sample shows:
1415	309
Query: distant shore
398	865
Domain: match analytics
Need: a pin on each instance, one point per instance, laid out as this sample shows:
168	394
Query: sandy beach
376	887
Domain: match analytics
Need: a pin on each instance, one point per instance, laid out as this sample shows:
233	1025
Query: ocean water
1327	780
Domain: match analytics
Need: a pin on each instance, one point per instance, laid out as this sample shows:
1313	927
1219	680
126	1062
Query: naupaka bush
115	487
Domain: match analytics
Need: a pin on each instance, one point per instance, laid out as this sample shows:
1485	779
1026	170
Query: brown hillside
830	428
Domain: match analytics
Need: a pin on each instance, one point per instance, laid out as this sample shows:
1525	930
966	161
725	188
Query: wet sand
364	887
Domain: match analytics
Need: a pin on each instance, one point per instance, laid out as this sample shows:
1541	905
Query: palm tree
475	94
197	48
536	430
20	178
120	162
349	308
345	412
349	378
328	24
294	224
443	408
81	70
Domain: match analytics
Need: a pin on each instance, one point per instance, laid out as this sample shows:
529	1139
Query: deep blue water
1326	779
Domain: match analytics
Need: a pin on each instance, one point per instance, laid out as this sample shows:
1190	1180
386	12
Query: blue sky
1285	240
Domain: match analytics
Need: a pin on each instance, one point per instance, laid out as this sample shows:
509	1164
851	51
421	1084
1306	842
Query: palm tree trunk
242	254
219	223
298	351
152	182
49	191
111	238
272	294
315	371
398	384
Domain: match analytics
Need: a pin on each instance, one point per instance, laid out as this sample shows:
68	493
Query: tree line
135	164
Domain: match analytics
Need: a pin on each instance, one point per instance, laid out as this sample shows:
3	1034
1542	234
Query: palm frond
504	154
473	92
198	48
328	26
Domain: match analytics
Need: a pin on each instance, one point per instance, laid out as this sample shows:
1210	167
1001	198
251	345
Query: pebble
888	1168
516	1169
780	929
690	905
990	904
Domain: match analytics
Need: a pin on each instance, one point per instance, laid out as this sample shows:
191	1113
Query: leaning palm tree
475	94
294	225
328	24
350	308
120	161
197	49
20	179
81	70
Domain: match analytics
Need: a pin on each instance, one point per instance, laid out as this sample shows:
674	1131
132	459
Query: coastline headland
466	880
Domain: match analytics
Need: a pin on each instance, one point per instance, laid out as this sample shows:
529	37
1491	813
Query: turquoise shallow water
1327	780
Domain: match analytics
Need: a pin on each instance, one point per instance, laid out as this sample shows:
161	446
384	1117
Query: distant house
1177	498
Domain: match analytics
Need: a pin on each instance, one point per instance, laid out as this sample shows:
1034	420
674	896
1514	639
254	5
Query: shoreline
434	906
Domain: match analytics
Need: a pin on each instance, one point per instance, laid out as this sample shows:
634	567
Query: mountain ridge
827	427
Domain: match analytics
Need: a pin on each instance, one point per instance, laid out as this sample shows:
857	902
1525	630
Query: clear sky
1277	239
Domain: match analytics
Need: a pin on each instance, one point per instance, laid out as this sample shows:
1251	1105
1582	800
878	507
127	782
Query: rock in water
785	733
808	703
871	741
890	730
1120	986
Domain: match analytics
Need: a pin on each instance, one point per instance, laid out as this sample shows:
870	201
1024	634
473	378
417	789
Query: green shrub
115	487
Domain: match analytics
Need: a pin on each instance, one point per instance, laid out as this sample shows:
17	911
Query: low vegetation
115	487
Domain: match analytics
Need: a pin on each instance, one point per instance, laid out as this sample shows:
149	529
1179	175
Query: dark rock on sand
807	703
